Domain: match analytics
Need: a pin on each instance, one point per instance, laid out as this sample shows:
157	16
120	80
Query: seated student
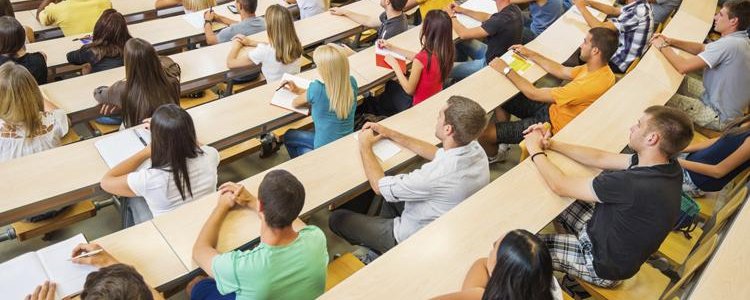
249	23
281	55
287	264
390	23
309	8
147	85
633	22
413	200
113	280
72	16
725	63
500	31
519	267
6	9
555	105
105	51
180	169
332	101
13	49
542	13
623	214
708	166
426	6
28	122
429	69
189	5
662	9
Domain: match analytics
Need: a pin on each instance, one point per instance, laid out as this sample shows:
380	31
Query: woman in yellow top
189	5
426	5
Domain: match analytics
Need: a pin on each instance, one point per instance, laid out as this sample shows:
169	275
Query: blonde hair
333	67
281	34
21	101
196	5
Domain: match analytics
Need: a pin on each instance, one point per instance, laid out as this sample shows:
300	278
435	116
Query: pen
87	254
140	138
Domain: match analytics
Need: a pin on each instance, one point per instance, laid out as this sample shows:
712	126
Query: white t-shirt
13	141
158	188
265	56
309	8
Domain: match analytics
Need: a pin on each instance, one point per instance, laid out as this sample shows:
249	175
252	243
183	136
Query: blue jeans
298	142
206	290
470	49
135	211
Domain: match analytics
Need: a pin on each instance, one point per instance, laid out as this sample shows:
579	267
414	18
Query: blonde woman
279	56
28	123
189	5
332	103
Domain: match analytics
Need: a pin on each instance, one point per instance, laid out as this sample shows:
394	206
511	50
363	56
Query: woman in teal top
332	103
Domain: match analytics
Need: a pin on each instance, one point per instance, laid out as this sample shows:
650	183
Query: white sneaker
502	154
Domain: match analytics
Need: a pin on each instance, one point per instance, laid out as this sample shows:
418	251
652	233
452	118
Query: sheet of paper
516	62
384	149
283	97
69	276
195	19
477	5
384	52
119	146
21	275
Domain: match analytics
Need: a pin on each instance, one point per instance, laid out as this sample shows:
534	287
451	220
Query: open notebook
117	147
21	275
485	6
283	97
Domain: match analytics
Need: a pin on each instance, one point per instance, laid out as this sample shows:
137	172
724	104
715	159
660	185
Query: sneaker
109	120
502	154
365	255
571	286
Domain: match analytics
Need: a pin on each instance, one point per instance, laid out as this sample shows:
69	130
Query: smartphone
233	9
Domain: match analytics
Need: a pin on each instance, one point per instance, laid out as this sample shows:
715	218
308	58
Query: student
28	122
309	8
708	166
287	264
429	69
662	9
6	9
557	105
413	200
500	31
623	214
72	16
13	49
725	63
519	267
332	102
249	23
542	13
426	6
634	23
107	44
189	5
113	280
281	55
389	24
180	169
147	85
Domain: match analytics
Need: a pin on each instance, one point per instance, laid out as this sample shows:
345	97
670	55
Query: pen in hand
87	254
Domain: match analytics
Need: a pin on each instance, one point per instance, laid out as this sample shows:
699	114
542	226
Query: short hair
249	5
467	118
606	40
674	126
282	196
739	9
398	4
116	282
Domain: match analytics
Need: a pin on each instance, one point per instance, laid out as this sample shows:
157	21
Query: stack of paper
283	97
381	53
485	6
384	149
118	147
517	62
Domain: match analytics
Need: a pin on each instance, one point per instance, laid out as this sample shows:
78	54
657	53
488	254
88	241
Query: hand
209	16
291	86
108	109
237	194
391	61
521	50
147	123
383	44
537	137
242	39
368	137
379	129
659	40
99	260
46	291
337	11
456	8
579	3
498	64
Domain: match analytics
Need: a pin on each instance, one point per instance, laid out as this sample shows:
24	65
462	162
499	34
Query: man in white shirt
415	199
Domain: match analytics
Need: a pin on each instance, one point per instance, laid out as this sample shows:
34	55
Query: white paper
384	52
195	19
68	276
21	275
119	146
485	6
384	149
593	11
520	65
284	98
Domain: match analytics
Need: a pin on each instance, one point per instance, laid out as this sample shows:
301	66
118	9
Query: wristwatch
506	71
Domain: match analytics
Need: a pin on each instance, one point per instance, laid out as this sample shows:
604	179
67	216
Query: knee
336	220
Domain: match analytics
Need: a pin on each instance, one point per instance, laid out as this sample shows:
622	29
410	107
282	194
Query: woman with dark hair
107	44
180	169
150	81
519	268
429	69
13	48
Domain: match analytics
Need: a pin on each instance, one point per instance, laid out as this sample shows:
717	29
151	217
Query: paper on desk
119	146
575	10
195	19
477	5
68	276
516	62
384	52
384	149
284	97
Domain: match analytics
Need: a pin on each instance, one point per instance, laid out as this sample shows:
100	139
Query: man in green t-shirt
286	265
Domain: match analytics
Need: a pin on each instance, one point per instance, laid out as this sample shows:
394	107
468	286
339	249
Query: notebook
118	147
516	62
21	275
380	55
283	97
485	6
384	149
195	19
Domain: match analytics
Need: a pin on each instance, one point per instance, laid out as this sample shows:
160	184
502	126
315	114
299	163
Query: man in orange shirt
556	105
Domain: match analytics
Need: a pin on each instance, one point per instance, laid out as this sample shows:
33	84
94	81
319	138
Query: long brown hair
6	9
21	101
147	84
12	36
735	127
437	39
281	34
110	35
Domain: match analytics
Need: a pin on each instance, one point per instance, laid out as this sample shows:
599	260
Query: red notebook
380	59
